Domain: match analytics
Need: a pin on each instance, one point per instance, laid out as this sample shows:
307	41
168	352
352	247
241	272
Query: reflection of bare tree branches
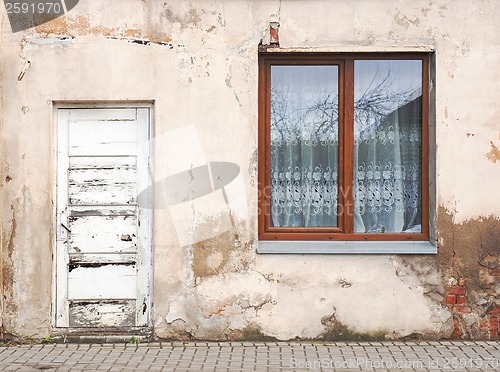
279	109
378	101
321	118
327	113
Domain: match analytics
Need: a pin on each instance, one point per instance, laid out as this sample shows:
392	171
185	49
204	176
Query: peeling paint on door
103	240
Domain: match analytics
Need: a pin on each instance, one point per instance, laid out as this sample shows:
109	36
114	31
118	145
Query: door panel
103	233
104	114
115	210
102	186
102	162
111	313
102	137
115	280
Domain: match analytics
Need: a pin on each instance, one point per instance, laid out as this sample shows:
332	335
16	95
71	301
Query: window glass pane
304	146
387	149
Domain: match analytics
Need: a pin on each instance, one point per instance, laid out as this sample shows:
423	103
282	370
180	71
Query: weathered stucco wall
197	61
1	185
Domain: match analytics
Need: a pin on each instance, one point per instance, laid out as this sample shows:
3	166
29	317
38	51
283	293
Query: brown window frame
345	229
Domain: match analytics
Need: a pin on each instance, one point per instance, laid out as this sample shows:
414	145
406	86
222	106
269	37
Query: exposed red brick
495	272
461	300
456	290
274	35
456	329
495	311
451	300
494	330
494	324
484	323
461	309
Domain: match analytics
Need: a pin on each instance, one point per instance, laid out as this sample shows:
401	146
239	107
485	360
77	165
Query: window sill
345	247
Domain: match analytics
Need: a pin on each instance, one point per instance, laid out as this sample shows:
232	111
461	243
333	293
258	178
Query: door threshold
131	335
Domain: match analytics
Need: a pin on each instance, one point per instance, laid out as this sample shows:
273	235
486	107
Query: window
343	146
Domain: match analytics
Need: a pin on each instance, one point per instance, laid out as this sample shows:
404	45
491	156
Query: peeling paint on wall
404	21
469	256
82	25
494	154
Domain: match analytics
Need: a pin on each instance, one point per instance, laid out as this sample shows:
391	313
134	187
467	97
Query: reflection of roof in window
405	119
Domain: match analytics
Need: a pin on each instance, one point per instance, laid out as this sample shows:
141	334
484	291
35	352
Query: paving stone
245	356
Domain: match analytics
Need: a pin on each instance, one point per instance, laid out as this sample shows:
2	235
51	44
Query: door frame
145	258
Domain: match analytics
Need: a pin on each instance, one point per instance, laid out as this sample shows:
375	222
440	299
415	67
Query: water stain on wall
219	254
469	256
7	269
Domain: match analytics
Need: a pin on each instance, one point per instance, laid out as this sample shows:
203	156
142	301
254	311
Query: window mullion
346	193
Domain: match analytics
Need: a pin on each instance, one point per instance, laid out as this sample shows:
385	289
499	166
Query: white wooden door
103	218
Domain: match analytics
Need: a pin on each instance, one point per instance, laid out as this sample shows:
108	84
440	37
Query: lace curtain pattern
387	149
304	146
388	174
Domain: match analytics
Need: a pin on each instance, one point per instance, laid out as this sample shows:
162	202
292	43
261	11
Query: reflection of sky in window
304	99
302	78
381	87
404	75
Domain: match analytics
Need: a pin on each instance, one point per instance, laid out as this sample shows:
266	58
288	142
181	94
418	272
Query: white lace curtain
387	153
304	146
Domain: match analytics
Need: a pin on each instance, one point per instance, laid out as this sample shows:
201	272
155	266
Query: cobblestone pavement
253	356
